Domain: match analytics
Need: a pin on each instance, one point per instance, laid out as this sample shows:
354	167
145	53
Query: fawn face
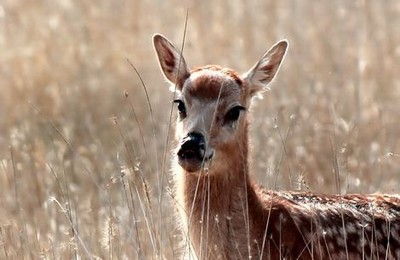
212	103
211	109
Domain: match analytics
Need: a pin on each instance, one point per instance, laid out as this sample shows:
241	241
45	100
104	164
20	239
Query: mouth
194	160
193	152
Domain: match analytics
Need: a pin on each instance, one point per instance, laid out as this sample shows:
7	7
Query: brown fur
228	216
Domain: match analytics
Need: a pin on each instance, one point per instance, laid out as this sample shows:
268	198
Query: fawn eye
181	108
233	114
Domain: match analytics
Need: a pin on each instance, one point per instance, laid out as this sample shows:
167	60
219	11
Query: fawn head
212	102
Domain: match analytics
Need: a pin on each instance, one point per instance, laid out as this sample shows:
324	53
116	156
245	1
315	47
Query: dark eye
181	108
233	114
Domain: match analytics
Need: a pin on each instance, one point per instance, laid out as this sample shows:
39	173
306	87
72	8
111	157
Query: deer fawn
228	216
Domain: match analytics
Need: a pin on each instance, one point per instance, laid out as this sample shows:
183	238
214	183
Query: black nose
192	147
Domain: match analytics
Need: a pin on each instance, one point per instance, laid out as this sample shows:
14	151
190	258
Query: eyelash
233	114
181	108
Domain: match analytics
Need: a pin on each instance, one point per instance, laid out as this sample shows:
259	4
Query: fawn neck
218	181
220	202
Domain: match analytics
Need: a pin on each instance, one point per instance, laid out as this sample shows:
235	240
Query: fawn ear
172	64
261	74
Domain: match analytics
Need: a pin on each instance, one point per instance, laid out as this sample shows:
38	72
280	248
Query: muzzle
192	152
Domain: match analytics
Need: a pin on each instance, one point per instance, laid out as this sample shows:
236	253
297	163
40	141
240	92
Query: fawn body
224	213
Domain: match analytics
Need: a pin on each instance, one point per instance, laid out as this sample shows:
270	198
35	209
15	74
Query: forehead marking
206	82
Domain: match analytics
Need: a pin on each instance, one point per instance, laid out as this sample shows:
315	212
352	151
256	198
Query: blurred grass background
84	171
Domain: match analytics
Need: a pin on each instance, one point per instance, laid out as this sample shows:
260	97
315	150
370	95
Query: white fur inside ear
173	88
260	94
171	62
264	89
261	74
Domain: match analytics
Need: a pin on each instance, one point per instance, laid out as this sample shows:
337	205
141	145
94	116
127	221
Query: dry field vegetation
84	153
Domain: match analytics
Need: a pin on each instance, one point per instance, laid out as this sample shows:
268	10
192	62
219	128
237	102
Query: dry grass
82	169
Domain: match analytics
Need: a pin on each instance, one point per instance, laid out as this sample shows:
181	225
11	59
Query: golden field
85	146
